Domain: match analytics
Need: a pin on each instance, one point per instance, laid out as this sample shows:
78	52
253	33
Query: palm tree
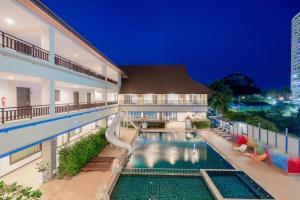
221	97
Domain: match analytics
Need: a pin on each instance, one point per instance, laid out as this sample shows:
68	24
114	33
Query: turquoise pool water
175	150
148	187
237	185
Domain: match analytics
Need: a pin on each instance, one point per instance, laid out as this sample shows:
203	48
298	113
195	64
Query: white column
104	70
119	79
52	97
46	92
49	155
52	44
105	96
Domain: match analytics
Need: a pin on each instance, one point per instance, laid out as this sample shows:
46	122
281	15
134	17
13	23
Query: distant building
295	59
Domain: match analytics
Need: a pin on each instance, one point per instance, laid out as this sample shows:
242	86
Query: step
102	160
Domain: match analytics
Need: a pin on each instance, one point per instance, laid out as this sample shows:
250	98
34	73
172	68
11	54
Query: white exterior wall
295	59
8	89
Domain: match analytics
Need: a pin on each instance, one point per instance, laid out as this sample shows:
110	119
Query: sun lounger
257	157
241	148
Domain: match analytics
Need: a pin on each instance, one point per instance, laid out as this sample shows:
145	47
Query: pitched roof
159	79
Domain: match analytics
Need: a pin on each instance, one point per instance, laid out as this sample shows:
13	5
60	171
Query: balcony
166	102
10	42
30	112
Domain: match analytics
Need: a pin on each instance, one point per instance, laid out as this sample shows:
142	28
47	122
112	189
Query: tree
285	92
18	192
221	96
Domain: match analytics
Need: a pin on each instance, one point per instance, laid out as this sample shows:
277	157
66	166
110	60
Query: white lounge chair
241	148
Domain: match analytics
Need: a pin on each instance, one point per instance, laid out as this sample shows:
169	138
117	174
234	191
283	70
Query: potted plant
42	169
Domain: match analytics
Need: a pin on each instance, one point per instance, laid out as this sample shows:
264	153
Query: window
150	115
57	95
134	115
24	153
75	132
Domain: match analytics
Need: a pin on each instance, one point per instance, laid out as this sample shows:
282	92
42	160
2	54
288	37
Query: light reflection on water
174	150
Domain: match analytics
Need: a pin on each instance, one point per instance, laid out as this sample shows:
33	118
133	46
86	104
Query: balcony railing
11	42
112	81
112	103
76	67
29	112
169	102
21	46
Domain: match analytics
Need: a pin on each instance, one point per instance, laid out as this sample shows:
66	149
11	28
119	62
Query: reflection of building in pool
162	93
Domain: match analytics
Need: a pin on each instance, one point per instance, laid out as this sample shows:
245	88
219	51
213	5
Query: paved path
84	186
281	186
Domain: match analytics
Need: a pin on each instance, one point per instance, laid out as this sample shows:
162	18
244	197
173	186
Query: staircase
99	164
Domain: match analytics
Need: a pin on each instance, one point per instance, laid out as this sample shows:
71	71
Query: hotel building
56	87
295	60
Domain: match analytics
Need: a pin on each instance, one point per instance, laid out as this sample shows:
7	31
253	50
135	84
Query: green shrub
236	116
159	124
73	158
156	124
15	191
201	124
254	120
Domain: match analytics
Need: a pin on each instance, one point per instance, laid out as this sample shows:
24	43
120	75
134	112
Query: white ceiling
29	27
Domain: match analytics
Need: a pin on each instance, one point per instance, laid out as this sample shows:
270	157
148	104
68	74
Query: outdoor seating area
259	150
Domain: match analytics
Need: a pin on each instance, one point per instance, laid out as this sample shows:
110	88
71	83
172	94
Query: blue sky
211	37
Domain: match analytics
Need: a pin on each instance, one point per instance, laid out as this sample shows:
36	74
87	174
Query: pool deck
280	185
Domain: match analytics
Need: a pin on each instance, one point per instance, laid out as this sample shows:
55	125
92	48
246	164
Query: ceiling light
9	21
11	77
75	55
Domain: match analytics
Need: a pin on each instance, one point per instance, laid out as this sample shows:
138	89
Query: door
88	97
76	98
23	97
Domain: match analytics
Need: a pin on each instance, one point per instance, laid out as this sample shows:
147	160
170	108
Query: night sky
211	37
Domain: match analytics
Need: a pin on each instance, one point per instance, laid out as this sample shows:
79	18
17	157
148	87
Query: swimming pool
160	187
181	166
179	150
237	185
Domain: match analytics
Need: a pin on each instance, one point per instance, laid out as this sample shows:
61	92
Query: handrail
156	102
110	134
11	42
21	46
161	171
26	112
76	67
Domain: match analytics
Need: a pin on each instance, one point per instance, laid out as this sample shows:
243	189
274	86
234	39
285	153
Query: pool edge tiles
246	186
161	187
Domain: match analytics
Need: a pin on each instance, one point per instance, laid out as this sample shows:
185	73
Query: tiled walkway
281	186
85	185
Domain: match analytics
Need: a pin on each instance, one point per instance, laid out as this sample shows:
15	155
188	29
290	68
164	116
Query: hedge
150	124
201	124
73	158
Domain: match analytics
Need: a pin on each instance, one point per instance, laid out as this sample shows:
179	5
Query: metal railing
284	142
112	102
76	67
157	102
29	112
11	42
158	171
112	81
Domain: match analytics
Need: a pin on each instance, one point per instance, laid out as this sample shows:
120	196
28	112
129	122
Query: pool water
237	185
175	150
160	187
